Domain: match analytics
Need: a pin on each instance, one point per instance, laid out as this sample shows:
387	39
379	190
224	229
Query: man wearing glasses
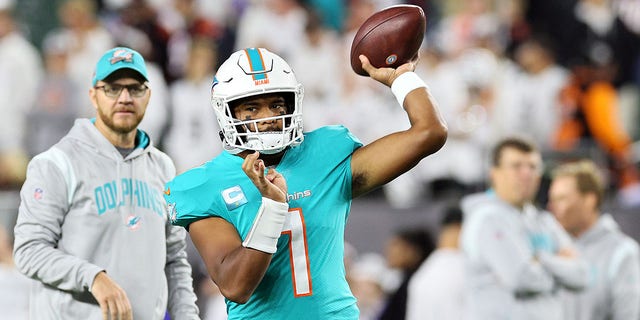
517	257
92	228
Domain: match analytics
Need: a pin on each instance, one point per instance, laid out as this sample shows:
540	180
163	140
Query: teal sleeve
187	198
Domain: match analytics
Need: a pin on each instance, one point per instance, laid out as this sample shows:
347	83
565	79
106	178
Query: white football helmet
251	72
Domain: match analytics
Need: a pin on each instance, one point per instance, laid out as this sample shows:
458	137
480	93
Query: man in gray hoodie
92	228
575	197
517	257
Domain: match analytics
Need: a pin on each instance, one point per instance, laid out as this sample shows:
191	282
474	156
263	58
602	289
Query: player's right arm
238	266
394	154
235	269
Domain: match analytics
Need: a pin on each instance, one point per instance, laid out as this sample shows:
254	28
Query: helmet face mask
249	73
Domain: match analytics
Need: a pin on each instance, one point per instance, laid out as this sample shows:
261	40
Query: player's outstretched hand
386	76
112	299
272	185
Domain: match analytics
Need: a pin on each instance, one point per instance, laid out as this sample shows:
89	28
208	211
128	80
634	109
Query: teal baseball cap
116	59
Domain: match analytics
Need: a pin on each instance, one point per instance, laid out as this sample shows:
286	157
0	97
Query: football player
268	214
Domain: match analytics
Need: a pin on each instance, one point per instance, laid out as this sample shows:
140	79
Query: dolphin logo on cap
121	55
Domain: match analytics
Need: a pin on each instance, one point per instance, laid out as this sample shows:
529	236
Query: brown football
389	38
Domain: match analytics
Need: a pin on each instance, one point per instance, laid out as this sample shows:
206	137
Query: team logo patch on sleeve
233	197
172	214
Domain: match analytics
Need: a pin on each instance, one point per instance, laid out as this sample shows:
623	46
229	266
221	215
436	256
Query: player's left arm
182	299
392	155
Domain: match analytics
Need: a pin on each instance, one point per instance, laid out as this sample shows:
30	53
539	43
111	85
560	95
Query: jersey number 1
298	252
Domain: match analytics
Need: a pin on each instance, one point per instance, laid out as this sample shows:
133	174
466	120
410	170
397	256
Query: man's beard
120	128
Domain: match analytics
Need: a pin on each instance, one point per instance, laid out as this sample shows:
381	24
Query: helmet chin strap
268	142
273	151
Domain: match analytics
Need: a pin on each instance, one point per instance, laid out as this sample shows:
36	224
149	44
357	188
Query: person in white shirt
20	74
193	137
437	290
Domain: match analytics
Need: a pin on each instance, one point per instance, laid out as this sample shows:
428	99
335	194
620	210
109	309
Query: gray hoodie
614	275
512	268
84	209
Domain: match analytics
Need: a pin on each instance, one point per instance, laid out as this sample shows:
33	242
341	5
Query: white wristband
404	84
267	226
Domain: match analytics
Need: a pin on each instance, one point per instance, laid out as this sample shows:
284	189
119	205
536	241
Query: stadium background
420	197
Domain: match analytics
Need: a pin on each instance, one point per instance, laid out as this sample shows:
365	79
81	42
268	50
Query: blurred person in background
597	40
613	292
88	40
613	33
321	50
256	27
516	256
14	286
20	75
590	119
538	86
370	279
143	17
463	87
156	117
609	34
92	227
191	24
608	31
472	24
193	136
437	289
211	302
56	106
215	306
405	251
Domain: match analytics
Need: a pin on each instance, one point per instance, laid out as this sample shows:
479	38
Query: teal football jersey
306	277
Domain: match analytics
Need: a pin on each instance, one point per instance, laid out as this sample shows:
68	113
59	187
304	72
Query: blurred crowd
562	73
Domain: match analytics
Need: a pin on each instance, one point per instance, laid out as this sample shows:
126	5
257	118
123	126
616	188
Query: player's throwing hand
386	76
272	185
